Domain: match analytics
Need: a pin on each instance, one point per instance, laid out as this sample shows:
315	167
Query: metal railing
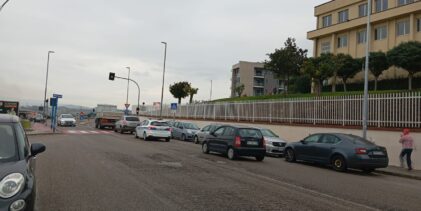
385	110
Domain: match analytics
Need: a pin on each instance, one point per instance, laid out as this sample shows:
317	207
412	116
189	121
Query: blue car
341	151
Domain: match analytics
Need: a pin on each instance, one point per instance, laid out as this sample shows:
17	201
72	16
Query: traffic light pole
138	89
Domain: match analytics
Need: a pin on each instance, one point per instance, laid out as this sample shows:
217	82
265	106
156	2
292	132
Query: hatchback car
17	166
126	124
200	136
184	130
235	141
341	151
274	145
153	129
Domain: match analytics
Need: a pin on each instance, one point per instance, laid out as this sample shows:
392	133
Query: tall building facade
256	80
341	26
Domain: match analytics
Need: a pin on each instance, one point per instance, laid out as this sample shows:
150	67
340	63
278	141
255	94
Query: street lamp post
163	79
210	97
367	55
1	7
128	80
46	82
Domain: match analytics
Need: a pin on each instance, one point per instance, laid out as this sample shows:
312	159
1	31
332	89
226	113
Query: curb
47	133
398	174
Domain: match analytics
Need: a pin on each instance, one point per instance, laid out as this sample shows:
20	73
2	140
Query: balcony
259	84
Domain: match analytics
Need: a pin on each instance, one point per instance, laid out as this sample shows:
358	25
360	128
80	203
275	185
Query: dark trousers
408	153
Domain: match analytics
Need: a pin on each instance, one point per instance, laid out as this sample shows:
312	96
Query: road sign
57	95
173	106
53	101
127	105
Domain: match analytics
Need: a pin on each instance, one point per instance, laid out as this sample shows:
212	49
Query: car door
304	148
144	126
325	147
203	132
227	139
213	139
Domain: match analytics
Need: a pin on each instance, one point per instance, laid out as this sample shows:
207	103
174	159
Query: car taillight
168	129
151	128
237	142
360	151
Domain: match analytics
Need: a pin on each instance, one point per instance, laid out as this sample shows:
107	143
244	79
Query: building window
342	41
343	16
381	5
380	33
258	72
402	27
327	21
419	24
362	36
403	2
362	10
325	47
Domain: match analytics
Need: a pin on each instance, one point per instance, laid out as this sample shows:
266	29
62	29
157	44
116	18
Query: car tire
205	148
121	131
196	140
260	158
183	137
290	155
145	138
167	140
231	154
339	163
135	135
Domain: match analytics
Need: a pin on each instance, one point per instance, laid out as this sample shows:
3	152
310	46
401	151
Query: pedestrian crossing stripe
86	132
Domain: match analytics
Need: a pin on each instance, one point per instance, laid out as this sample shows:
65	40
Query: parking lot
111	171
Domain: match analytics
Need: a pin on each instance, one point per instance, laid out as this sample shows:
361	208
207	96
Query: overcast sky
94	37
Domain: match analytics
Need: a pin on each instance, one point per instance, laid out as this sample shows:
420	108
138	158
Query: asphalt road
118	172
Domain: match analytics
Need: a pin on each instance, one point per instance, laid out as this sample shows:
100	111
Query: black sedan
341	151
17	166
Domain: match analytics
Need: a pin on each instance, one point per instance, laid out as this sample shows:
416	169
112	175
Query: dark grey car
341	151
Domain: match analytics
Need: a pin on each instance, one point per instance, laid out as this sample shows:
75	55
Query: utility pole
210	98
45	108
163	79
367	55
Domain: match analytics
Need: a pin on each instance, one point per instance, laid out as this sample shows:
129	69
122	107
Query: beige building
341	27
257	81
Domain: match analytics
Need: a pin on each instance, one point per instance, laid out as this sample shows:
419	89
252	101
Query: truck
107	116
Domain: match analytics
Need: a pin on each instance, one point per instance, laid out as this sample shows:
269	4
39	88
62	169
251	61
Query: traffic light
137	110
111	76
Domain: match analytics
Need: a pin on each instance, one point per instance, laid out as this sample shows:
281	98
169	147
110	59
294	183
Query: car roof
7	118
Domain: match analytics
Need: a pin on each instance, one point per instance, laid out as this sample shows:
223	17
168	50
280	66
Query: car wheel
121	131
145	138
205	148
183	137
339	163
135	135
196	140
290	155
115	130
231	154
167	140
260	158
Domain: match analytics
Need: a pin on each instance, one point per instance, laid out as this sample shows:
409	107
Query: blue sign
57	96
173	106
53	101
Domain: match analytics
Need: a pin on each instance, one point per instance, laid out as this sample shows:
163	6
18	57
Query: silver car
184	130
126	124
200	136
275	146
153	129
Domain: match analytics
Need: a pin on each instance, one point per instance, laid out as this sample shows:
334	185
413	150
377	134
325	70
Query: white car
153	129
66	120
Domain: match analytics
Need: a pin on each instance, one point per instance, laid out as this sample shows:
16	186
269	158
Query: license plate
252	143
378	153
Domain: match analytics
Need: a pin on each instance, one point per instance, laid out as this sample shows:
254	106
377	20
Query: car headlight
11	185
189	131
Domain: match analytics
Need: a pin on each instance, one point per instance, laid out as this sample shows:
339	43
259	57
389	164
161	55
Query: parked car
17	166
127	124
200	136
66	120
341	151
39	118
275	146
153	129
184	130
235	141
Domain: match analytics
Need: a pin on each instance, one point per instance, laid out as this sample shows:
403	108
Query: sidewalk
401	172
41	129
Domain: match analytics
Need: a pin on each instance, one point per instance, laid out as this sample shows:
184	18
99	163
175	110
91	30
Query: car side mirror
212	133
37	148
303	142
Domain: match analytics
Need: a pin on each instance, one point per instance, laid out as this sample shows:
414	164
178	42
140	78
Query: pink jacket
407	142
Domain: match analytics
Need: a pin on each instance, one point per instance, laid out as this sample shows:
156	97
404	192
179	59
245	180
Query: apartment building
341	26
257	81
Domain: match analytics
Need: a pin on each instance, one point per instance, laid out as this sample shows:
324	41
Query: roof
7	118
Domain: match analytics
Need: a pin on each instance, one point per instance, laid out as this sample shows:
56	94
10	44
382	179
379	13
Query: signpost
54	104
57	96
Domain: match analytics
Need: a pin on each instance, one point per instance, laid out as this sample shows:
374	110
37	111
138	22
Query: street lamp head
51	52
128	68
164	43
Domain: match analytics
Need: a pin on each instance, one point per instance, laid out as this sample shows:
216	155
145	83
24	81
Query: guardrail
385	110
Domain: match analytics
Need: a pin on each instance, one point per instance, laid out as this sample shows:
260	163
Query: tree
377	64
407	56
287	61
239	90
192	91
337	61
349	68
319	68
180	90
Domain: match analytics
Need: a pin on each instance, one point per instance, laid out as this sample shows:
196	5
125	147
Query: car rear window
190	126
132	119
7	143
249	133
359	140
160	124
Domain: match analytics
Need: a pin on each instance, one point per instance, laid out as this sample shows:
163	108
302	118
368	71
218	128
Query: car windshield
160	123
132	119
66	116
249	133
190	126
359	140
268	133
7	143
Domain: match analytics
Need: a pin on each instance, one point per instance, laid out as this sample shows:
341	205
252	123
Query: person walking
407	147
